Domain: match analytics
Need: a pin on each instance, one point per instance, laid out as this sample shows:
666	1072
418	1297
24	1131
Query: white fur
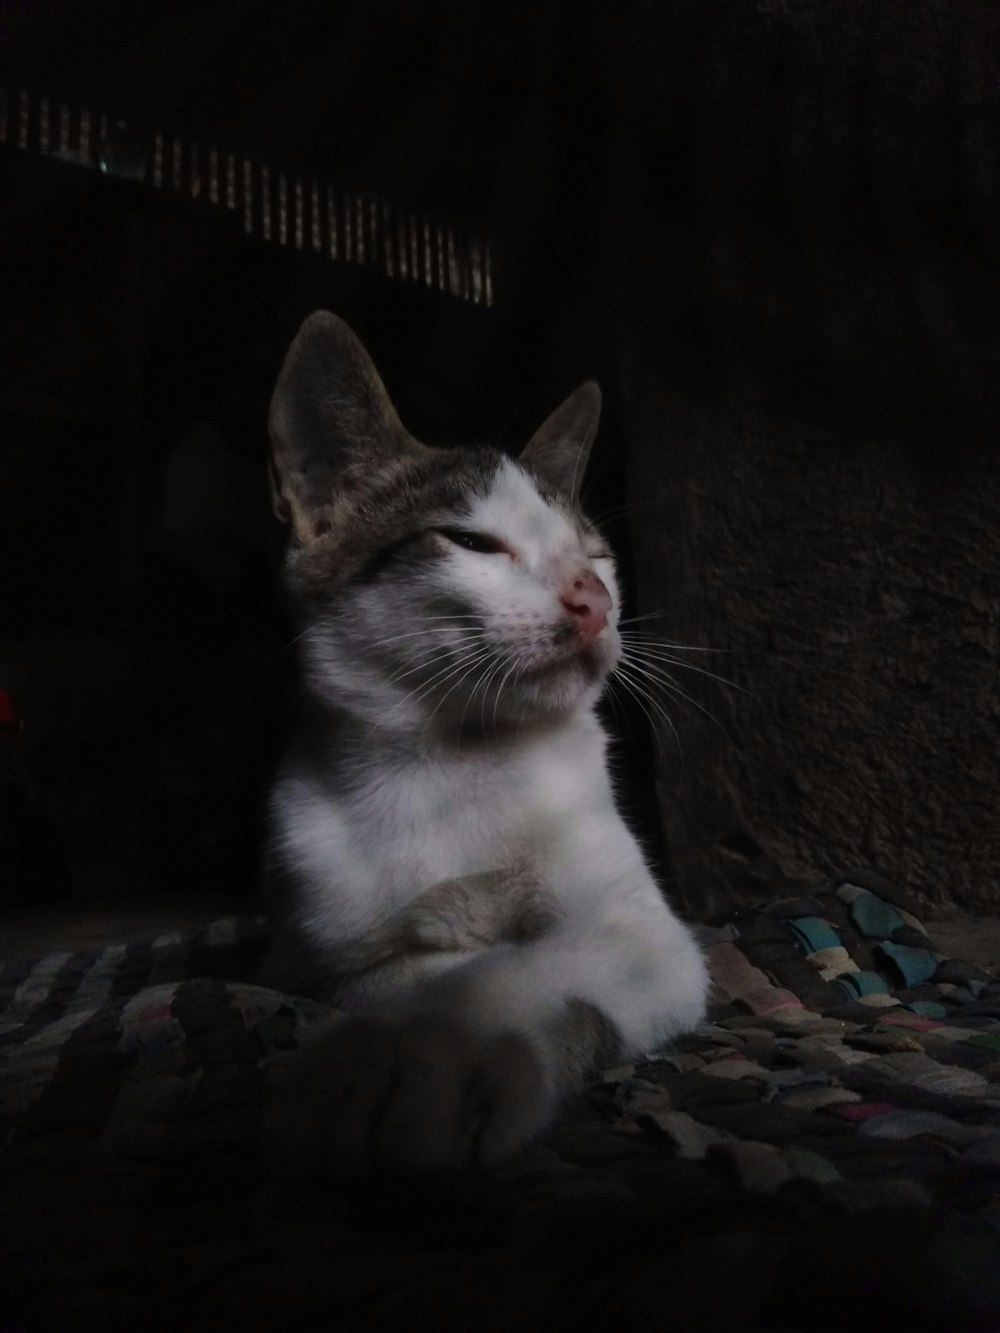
420	809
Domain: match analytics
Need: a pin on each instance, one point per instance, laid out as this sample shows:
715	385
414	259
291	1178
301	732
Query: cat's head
453	588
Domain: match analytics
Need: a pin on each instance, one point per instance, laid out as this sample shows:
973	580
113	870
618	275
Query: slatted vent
294	210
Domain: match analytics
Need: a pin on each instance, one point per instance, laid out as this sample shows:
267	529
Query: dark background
143	634
770	230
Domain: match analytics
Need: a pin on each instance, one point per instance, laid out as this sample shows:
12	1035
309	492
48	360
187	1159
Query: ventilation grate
294	210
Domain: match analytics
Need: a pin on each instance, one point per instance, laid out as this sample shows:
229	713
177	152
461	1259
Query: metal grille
299	211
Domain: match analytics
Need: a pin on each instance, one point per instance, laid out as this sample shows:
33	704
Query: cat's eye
474	541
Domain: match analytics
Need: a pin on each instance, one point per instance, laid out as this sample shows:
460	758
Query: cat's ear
331	422
559	449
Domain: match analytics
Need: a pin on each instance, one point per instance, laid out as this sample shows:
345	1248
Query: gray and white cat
455	874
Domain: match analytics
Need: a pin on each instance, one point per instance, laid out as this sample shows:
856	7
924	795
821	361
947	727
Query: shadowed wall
809	342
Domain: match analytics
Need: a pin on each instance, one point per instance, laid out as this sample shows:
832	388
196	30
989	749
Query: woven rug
824	1152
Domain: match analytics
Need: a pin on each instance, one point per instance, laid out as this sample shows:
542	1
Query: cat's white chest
426	819
472	813
445	826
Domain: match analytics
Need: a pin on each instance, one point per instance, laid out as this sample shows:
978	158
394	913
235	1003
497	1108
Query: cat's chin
590	663
566	684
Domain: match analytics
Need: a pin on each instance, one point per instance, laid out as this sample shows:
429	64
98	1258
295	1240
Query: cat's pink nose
588	601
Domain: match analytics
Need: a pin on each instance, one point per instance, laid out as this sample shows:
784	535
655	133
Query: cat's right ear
330	421
559	449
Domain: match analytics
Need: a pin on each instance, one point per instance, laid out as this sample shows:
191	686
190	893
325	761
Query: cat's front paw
370	1092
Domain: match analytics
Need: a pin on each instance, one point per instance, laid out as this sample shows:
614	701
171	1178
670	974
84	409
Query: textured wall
858	606
808	299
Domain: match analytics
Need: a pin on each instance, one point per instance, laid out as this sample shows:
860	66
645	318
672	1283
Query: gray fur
558	452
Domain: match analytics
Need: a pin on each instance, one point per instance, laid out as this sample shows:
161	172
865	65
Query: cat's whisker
620	678
657	638
612	700
623	510
665	681
483	683
420	633
657	644
486	690
480	684
488	668
469	659
484	656
427	632
659	665
651	655
641	690
648	615
513	668
292	642
422	666
424	691
439	677
639	678
662	645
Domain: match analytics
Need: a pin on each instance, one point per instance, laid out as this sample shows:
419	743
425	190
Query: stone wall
807	233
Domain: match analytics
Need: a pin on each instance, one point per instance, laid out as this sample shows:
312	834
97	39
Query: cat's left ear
331	424
559	449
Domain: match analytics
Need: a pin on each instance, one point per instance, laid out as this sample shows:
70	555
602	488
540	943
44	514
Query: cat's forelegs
373	1091
470	1062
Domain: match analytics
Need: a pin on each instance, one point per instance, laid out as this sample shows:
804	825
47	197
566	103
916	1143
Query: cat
456	878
